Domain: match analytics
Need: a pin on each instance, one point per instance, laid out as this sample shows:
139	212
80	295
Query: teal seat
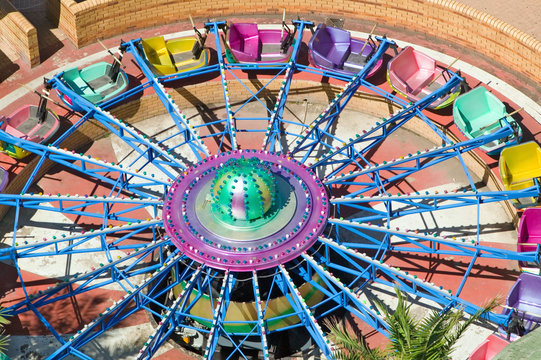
479	112
478	109
94	83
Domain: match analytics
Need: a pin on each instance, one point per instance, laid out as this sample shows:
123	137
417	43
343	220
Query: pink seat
489	348
529	230
411	70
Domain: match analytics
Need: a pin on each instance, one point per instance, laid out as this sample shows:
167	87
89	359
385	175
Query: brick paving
522	14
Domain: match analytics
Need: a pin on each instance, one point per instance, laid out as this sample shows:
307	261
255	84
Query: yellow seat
172	56
519	166
158	55
241	315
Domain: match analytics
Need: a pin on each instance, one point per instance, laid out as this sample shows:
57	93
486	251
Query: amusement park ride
249	244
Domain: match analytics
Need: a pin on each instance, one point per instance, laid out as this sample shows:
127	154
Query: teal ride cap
243	189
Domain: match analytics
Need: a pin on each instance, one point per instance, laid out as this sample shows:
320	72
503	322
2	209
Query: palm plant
351	346
430	338
4	339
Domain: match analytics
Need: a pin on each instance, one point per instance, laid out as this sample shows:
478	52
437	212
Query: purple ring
286	243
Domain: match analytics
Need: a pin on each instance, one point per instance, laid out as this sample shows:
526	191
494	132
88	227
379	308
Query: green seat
73	79
477	109
479	112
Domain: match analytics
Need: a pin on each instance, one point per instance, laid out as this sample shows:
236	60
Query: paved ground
523	14
121	344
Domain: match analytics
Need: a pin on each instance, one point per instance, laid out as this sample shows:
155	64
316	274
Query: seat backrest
338	54
513	296
20	116
473	104
235	38
239	32
528	289
480	352
404	65
424	61
522	159
532	221
246	30
71	74
322	42
339	36
14	132
152	47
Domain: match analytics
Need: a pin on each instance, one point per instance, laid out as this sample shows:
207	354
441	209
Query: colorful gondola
31	123
529	235
478	113
176	55
520	166
334	49
416	75
524	301
247	43
96	83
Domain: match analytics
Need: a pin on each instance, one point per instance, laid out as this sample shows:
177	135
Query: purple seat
334	49
526	298
249	44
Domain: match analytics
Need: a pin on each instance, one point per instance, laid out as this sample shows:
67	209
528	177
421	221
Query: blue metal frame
135	186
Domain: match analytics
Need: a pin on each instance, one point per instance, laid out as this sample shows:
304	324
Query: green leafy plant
4	339
430	338
351	346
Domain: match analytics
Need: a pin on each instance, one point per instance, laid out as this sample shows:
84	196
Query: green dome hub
243	189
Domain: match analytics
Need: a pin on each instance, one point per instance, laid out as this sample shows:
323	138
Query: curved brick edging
205	94
448	20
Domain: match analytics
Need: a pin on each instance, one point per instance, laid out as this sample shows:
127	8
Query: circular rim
295	236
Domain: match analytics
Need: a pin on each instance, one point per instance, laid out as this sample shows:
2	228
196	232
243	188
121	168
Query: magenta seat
529	231
244	41
249	44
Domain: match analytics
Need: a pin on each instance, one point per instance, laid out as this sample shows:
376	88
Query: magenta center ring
298	215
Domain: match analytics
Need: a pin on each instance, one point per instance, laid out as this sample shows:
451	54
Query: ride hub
246	210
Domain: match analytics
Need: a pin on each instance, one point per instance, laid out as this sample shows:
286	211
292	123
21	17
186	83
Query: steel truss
337	266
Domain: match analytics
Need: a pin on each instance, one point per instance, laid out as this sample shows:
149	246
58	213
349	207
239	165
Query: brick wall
19	33
448	20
